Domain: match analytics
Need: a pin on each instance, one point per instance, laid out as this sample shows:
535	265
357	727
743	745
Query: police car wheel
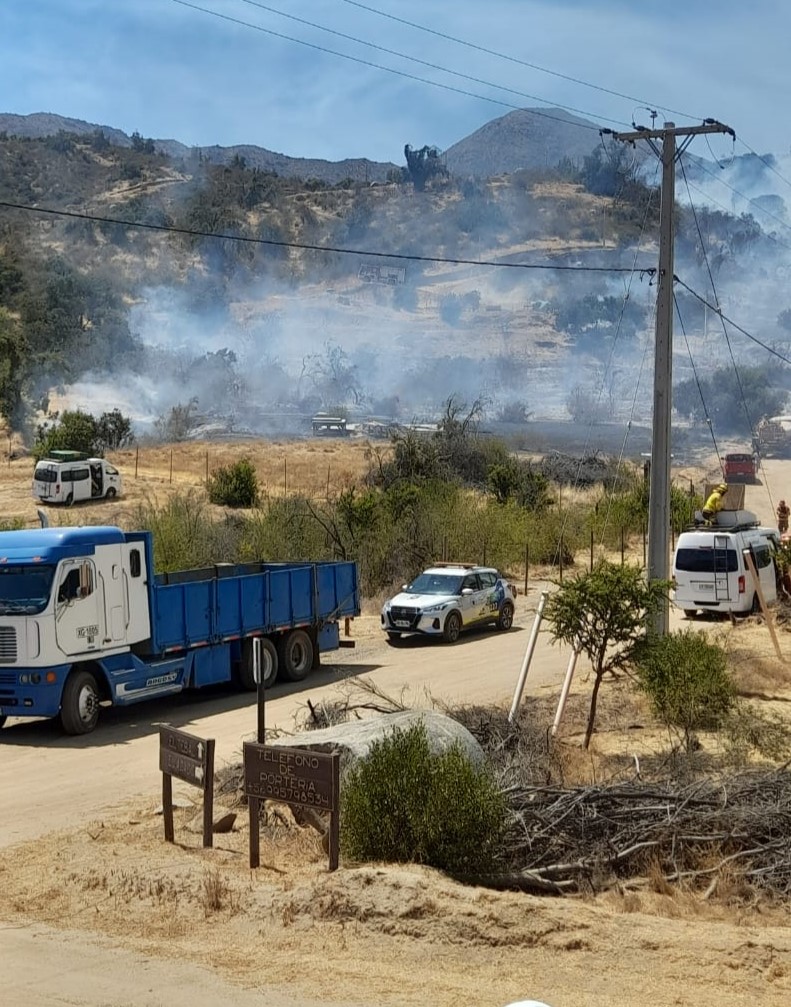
505	619
452	628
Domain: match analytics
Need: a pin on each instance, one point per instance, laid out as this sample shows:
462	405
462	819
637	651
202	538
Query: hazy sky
174	72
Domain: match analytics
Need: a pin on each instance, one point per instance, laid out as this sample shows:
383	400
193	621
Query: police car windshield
24	590
436	583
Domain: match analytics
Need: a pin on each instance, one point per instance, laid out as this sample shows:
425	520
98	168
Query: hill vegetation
68	285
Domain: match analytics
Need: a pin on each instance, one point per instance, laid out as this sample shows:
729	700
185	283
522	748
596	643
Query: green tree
763	389
603	613
12	360
74	430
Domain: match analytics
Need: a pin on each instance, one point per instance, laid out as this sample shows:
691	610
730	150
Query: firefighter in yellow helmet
714	503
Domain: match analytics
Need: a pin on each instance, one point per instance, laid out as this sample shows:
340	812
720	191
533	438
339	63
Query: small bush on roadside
405	804
686	679
234	485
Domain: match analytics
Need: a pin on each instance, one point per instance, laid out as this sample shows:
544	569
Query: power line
697	380
747	199
427	63
194	233
377	66
514	59
765	162
718	311
729	211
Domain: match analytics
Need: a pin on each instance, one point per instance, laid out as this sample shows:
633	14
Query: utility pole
659	501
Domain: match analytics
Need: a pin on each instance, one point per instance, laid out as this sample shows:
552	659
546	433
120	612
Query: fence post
644	531
137	458
622	545
285	476
591	550
527	563
561	559
207	464
171	464
484	553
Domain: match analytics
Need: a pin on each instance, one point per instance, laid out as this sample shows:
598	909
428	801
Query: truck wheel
505	619
110	493
295	652
452	628
268	664
79	709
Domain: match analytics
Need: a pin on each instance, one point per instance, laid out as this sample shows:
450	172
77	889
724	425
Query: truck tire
452	628
505	618
269	664
295	652
79	708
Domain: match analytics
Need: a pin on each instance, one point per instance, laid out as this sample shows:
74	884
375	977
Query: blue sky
173	72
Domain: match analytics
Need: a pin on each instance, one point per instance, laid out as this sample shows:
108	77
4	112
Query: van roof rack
463	566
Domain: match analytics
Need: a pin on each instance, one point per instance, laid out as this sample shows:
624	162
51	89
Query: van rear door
702	573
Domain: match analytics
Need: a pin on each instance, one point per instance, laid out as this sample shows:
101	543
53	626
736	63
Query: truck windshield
435	583
24	590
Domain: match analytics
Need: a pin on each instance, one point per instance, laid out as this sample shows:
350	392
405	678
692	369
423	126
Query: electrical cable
747	199
192	232
427	63
376	66
706	413
769	237
611	355
521	62
718	311
765	162
750	423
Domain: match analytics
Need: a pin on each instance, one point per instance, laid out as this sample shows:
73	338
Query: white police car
447	598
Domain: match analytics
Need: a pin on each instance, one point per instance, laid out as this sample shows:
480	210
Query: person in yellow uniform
714	503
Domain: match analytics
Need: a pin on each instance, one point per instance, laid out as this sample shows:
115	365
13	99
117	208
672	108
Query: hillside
253	332
535	139
43	124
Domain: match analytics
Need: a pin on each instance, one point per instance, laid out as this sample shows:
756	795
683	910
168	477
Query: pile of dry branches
591	838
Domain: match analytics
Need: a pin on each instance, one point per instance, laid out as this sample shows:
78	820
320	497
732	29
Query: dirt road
50	780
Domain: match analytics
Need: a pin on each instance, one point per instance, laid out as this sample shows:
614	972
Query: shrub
405	804
686	680
234	485
76	430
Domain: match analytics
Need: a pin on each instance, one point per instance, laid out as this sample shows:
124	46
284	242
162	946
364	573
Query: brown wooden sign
190	759
293	776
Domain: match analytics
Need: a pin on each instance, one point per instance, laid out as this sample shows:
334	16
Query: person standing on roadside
783	513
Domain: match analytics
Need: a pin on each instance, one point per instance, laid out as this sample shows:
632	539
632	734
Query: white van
59	481
710	573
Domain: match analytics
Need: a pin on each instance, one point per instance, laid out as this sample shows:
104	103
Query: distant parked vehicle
740	468
63	478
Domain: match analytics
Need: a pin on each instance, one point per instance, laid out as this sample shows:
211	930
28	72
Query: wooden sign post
293	776
190	759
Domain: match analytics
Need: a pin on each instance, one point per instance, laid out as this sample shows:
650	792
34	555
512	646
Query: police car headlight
436	608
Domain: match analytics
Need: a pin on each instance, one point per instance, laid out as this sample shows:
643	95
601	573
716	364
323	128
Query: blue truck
85	621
